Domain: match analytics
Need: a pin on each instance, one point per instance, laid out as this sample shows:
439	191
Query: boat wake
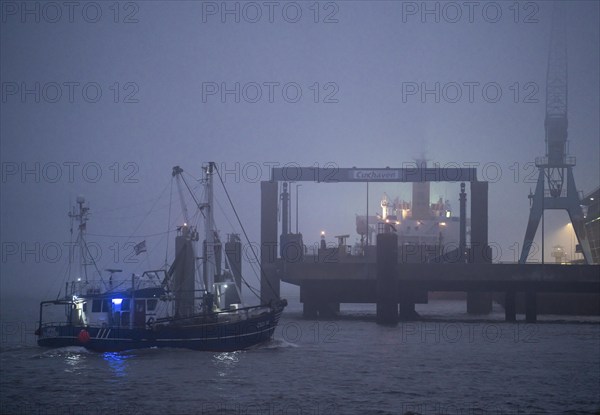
63	351
275	344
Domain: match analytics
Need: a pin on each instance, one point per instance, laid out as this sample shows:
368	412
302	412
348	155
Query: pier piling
510	306
387	285
269	280
479	302
531	306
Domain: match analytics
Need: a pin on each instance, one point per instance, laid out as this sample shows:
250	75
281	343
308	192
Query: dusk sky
103	99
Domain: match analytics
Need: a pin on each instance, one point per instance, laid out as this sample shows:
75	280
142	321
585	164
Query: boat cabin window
151	304
101	306
125	304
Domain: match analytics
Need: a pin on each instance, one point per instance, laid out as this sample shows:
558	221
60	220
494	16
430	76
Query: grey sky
362	60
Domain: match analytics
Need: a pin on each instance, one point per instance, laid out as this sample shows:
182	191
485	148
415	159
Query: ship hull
218	336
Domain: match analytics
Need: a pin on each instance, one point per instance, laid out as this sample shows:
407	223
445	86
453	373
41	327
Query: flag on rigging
139	248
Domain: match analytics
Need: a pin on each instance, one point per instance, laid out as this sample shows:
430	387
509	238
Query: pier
396	278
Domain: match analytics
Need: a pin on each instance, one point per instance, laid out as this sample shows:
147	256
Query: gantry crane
555	187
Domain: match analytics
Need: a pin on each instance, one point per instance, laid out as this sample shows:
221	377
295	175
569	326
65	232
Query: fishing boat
170	307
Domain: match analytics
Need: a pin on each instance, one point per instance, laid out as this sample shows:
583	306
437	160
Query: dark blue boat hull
220	337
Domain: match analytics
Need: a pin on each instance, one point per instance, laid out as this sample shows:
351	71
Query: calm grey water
347	366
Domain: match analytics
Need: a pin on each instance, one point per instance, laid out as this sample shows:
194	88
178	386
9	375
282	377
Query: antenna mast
81	217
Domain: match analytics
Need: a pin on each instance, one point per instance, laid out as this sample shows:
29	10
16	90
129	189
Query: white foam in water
275	344
64	350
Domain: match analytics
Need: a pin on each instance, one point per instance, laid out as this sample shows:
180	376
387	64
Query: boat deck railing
53	324
230	313
243	312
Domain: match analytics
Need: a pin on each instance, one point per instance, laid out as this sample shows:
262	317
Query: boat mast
81	217
209	228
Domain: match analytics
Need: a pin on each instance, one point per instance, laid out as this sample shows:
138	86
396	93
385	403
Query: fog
103	99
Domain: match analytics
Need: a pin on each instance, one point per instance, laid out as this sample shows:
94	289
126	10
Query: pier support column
387	285
407	310
479	302
310	310
315	301
317	309
269	280
510	306
462	240
329	310
408	299
531	306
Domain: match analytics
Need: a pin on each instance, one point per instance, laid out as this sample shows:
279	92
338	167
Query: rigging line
118	284
202	195
197	187
132	236
237	289
134	216
252	289
253	268
141	202
199	275
149	253
224	214
192	194
129	239
66	273
244	231
87	248
169	223
177	220
181	199
148	213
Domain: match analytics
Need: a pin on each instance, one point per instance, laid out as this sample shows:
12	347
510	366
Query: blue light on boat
117	301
